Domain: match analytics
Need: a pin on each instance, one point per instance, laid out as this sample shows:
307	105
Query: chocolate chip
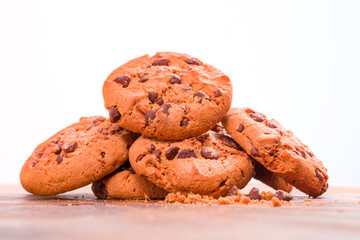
170	154
89	127
242	173
223	183
157	153
96	120
303	154
139	157
310	153
217	93
131	170
59	159
193	61
256	117
324	187
114	114
228	141
150	115
272	125
33	163
282	195
319	175
187	153
71	148
240	128
175	80
254	152
102	154
39	154
184	122
160	101
149	66
234	191
161	62
151	148
254	194
295	152
200	94
165	108
209	153
153	96
123	80
143	79
102	192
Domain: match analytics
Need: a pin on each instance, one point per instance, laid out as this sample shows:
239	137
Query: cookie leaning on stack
174	101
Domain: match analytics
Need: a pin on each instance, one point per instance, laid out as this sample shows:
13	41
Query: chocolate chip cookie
261	173
124	183
170	96
76	156
277	149
209	164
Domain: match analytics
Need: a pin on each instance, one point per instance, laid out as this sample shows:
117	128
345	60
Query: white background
296	61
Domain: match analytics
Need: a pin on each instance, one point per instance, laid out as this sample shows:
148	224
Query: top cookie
277	149
170	96
76	156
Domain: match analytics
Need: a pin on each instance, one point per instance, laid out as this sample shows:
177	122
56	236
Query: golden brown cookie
170	96
277	149
261	173
76	156
208	165
124	183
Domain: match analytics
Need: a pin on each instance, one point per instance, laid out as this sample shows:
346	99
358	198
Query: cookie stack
171	129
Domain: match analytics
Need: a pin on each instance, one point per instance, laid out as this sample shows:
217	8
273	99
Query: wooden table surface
78	214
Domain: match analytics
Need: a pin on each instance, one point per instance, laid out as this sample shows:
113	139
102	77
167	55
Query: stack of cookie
171	129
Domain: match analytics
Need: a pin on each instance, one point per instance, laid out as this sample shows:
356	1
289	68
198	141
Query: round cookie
76	156
210	164
277	149
261	173
270	178
124	183
170	96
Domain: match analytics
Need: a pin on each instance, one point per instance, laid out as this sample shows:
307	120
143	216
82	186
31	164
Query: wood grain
79	215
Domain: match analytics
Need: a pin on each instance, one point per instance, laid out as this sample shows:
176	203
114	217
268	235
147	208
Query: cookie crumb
245	200
276	202
234	197
322	204
307	200
266	195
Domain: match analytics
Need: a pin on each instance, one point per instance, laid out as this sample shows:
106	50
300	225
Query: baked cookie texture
209	164
277	149
261	173
271	179
170	96
76	156
124	183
